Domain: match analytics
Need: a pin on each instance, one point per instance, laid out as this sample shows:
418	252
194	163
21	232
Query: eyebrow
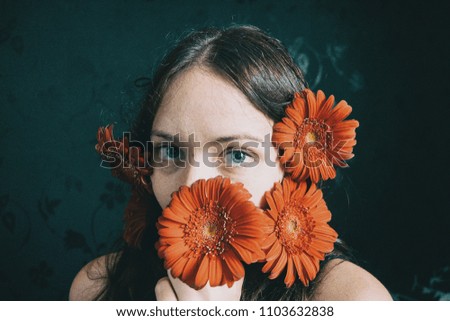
222	139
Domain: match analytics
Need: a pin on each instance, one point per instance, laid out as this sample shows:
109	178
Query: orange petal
339	113
178	267
278	200
180	216
313	199
326	108
269	265
324	172
309	266
322	215
349	124
215	271
271	201
312	107
234	265
227	276
314	174
176	250
275	251
251	231
281	264
312	189
109	132
315	253
323	246
244	254
286	189
186	198
300	171
251	243
290	273
203	273
300	270
215	187
285	126
299	104
244	212
300	191
268	241
190	269
171	232
320	98
287	155
231	197
294	115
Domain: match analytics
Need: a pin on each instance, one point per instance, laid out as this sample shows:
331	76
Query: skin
211	107
201	102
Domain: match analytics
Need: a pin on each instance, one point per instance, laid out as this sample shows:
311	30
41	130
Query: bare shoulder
90	280
345	281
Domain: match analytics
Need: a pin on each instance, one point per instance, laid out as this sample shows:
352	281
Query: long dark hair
259	66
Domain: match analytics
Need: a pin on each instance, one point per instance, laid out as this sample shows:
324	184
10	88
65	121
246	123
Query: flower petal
215	271
202	275
190	270
234	265
274	252
290	274
312	107
339	113
281	264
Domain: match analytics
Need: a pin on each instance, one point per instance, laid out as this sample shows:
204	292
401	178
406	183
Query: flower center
294	227
314	137
209	230
314	131
310	137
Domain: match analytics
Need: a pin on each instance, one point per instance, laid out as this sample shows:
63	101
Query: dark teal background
68	67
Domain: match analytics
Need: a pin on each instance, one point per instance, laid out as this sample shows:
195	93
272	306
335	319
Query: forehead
198	101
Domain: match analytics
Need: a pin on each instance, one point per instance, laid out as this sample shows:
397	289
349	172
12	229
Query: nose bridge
199	168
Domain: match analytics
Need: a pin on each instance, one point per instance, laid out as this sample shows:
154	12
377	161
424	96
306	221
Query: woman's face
212	119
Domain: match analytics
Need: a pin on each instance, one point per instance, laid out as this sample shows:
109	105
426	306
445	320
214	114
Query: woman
219	86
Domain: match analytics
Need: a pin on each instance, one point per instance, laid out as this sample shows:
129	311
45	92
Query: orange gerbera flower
127	162
314	136
207	230
298	235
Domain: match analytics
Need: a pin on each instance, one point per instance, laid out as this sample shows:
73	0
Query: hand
170	289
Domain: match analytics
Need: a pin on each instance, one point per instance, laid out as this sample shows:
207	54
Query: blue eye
236	157
168	152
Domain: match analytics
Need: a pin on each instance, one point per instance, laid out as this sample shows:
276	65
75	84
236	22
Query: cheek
258	189
162	188
257	181
263	181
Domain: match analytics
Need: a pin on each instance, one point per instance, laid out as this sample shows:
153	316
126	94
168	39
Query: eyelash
230	151
227	151
158	148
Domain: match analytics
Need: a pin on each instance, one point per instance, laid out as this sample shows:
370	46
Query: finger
164	290
216	293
